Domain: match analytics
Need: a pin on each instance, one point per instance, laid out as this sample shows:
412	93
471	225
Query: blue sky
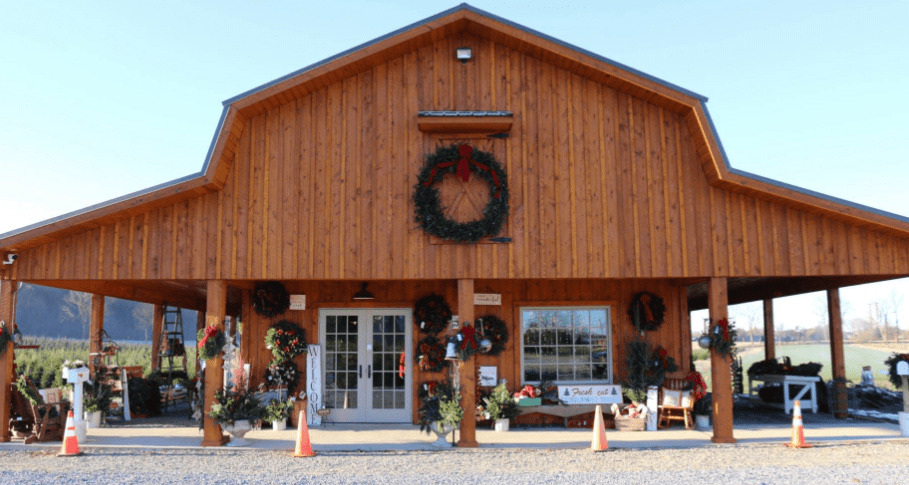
100	99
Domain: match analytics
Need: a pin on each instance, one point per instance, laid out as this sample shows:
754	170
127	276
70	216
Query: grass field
856	358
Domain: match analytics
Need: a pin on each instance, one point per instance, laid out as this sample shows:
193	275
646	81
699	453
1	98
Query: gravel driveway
884	462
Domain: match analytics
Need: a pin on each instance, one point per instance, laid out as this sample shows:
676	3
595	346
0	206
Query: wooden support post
216	307
466	371
95	334
7	315
720	367
157	326
769	335
685	330
837	355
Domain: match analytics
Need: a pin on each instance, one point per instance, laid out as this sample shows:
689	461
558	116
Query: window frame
608	306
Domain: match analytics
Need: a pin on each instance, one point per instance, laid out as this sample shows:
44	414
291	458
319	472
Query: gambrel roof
462	18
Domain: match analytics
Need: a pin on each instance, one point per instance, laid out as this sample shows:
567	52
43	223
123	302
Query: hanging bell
451	350
704	342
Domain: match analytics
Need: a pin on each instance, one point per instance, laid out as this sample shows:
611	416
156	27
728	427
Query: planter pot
93	419
702	421
237	431
441	433
501	425
279	425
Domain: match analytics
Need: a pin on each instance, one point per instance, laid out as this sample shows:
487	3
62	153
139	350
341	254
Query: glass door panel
363	352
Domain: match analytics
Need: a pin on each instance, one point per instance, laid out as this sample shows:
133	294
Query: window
566	345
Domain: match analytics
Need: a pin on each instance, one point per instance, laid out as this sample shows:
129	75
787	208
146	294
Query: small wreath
647	311
284	375
722	338
5	338
460	160
286	340
495	329
210	340
430	355
270	299
431	314
892	361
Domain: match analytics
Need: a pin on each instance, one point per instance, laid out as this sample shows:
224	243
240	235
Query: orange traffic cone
303	448
798	432
599	442
70	440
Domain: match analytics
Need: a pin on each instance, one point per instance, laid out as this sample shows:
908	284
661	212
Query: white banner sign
590	394
314	385
489	299
298	302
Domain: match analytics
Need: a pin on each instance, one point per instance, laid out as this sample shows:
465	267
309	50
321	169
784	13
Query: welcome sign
590	394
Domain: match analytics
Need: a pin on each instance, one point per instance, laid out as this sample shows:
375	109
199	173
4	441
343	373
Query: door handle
369	372
360	373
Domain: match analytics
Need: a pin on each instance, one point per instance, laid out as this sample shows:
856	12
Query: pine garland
5	339
723	337
460	160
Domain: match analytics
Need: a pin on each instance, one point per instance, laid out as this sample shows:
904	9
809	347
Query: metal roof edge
794	188
214	139
464	6
101	205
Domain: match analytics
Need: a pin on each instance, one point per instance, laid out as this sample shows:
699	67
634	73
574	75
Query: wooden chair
676	403
37	422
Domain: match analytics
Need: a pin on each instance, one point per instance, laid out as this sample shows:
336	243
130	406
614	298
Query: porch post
720	367
7	315
467	371
157	325
216	307
769	336
95	333
837	356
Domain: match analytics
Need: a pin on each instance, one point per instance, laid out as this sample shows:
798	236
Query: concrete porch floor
160	433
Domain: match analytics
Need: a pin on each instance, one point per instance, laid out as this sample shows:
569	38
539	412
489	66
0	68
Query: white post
902	369
76	377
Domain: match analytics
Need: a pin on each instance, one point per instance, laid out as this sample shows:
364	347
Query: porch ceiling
744	290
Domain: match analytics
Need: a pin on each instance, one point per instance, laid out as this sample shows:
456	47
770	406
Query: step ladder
172	355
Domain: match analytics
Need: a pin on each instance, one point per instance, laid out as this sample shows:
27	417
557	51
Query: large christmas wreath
647	311
431	314
461	160
496	331
270	299
284	375
430	355
286	340
210	340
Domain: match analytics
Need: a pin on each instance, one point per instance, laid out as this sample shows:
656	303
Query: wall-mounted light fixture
363	294
464	54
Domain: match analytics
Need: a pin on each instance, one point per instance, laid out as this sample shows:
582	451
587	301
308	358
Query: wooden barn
510	173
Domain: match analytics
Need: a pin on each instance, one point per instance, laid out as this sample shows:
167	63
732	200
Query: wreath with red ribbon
647	311
722	339
270	299
430	355
460	160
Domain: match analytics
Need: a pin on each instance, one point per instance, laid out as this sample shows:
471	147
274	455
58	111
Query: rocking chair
676	403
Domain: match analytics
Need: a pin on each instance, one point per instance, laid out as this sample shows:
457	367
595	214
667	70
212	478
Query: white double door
363	351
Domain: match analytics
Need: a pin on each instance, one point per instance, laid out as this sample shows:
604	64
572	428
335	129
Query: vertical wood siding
603	185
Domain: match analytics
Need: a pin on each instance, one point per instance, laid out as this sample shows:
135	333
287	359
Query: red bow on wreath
210	331
662	354
463	170
724	326
469	337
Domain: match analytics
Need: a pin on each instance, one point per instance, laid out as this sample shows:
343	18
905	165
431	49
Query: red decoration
401	367
463	169
698	385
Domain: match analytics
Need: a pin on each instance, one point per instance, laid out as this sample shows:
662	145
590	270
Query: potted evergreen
501	407
277	413
440	410
701	411
97	400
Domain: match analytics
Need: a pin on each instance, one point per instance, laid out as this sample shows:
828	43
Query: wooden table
807	389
